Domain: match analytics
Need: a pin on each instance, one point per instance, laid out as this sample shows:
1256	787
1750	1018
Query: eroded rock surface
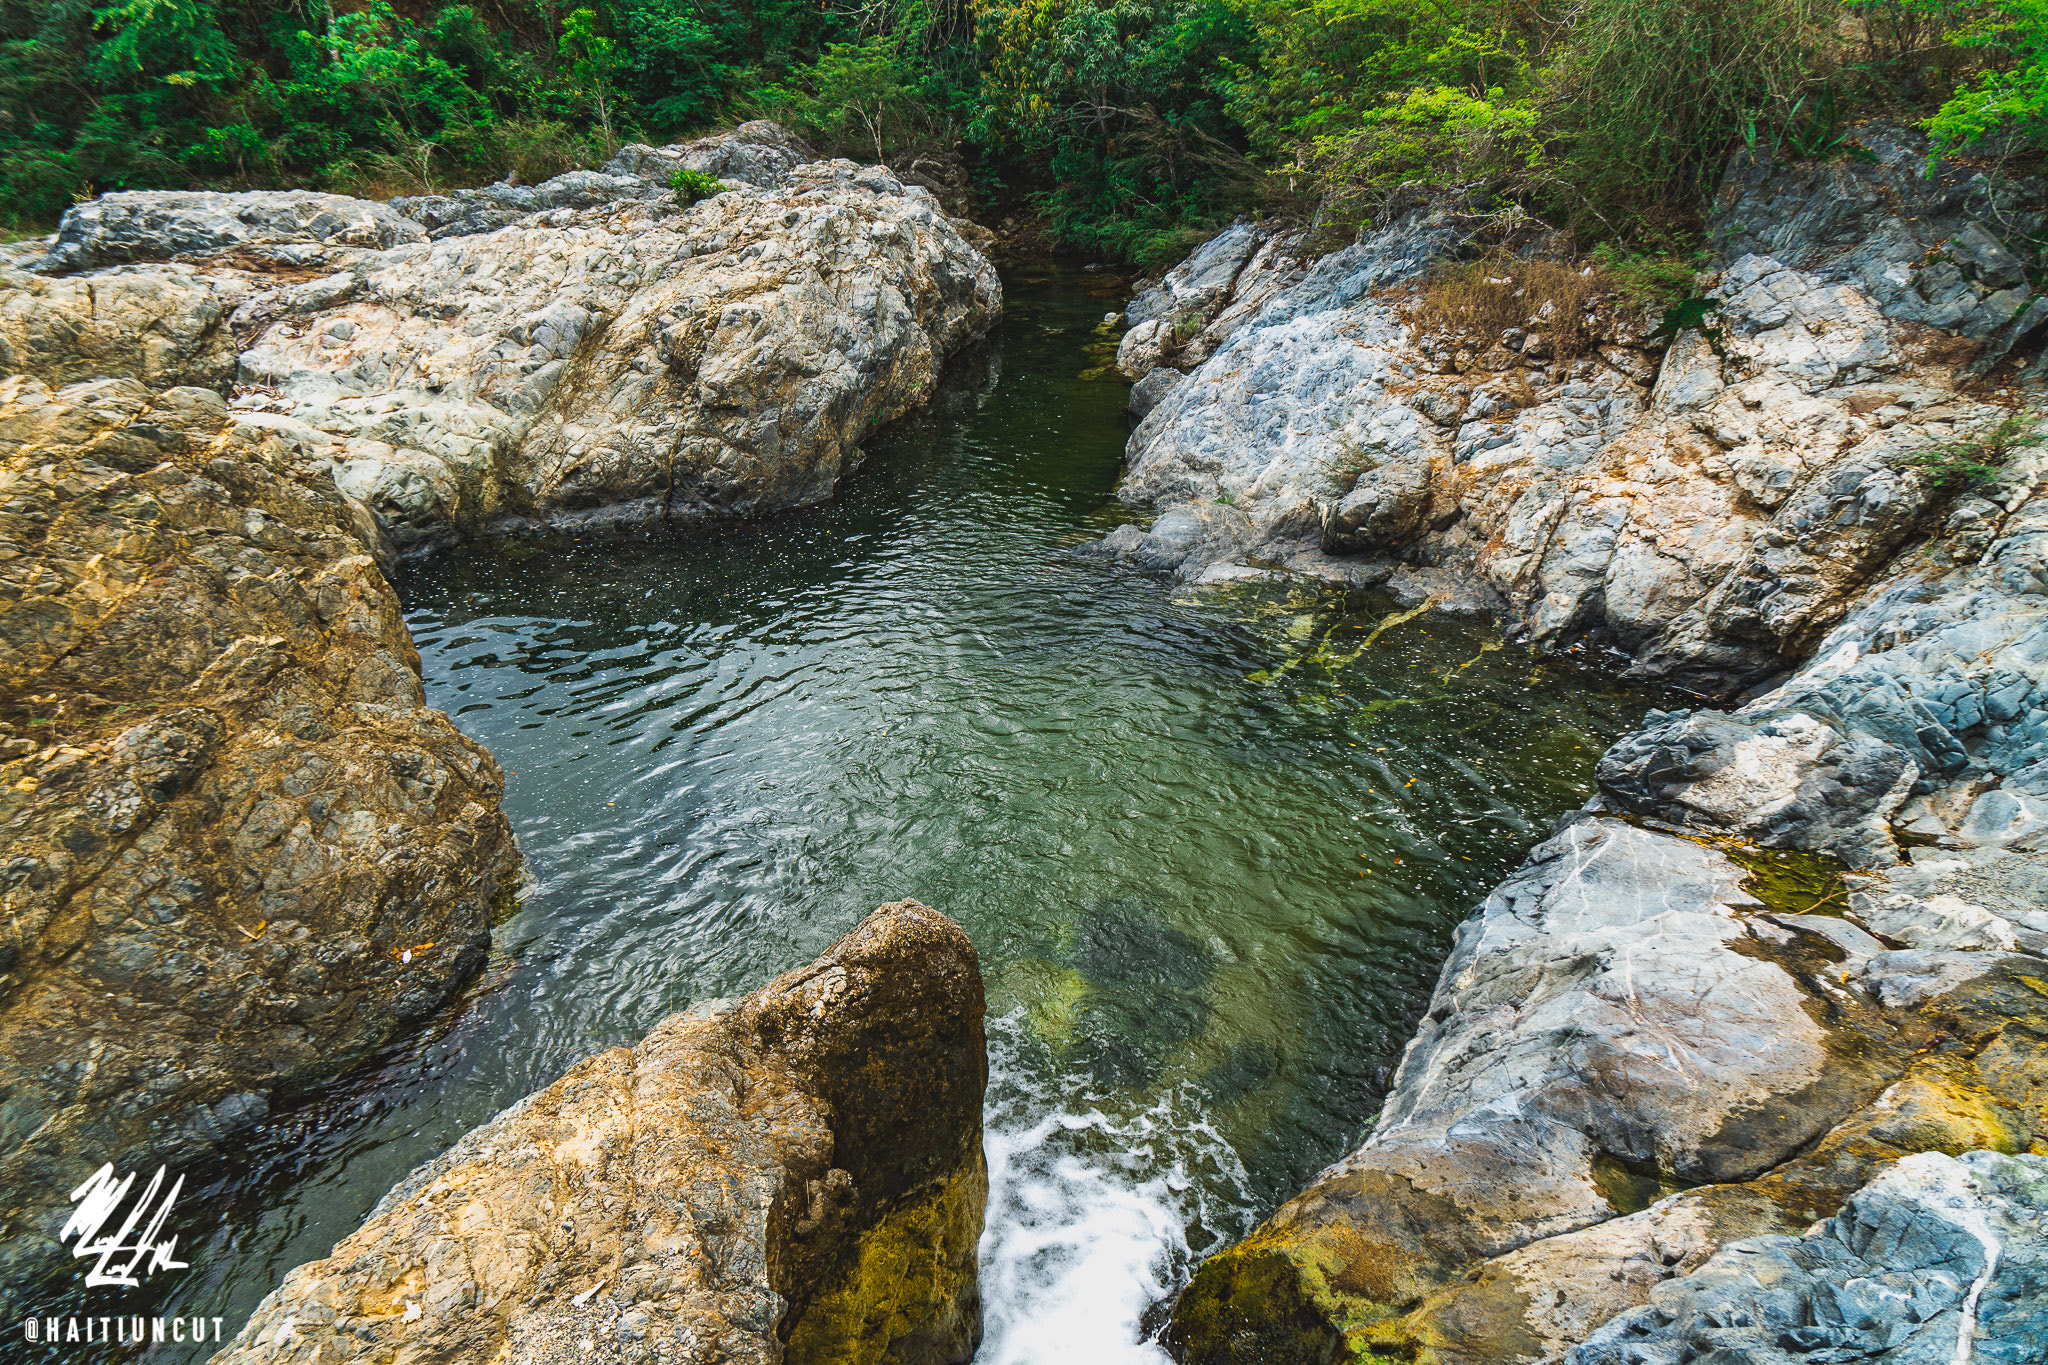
1629	1064
796	1175
287	226
586	347
1711	508
633	360
1938	1259
1180	321
1926	709
241	851
1640	1053
165	325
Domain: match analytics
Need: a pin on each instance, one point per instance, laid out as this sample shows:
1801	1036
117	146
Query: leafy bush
1134	126
1650	96
690	186
2011	97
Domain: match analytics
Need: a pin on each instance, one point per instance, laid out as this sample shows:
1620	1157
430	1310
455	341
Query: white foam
1089	1216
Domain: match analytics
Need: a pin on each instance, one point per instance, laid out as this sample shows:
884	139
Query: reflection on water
1211	848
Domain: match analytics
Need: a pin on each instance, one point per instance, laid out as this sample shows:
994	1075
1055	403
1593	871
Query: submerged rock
796	1175
242	852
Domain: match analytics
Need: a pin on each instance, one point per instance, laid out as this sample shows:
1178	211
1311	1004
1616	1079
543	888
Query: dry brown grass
1482	298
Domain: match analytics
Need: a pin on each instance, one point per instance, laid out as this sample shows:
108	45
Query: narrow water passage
1211	848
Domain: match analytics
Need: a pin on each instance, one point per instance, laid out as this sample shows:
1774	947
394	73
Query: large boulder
588	347
160	225
242	853
796	1175
1629	1064
165	325
1711	507
1925	709
633	361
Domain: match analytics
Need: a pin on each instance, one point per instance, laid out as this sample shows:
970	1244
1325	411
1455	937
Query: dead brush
1485	297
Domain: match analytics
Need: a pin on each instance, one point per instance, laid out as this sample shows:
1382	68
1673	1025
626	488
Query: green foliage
2011	97
1647	282
869	100
690	186
1981	459
1118	109
1135	126
1650	95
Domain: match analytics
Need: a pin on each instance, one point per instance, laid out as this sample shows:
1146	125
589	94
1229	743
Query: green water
1211	847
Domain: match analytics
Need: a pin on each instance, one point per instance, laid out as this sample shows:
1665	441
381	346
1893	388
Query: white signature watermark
135	1249
102	1197
121	1331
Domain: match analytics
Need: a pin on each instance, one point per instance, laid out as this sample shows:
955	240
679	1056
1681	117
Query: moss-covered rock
795	1176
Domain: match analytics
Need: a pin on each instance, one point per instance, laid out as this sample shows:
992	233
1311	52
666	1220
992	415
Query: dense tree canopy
1131	124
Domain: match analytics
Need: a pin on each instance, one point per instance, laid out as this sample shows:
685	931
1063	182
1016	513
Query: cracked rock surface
1710	507
588	347
241	851
1634	1123
632	360
796	1175
1938	1259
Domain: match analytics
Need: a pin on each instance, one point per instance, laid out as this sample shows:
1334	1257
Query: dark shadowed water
1211	847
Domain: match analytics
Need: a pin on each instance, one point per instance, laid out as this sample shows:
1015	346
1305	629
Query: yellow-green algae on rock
795	1176
1333	1278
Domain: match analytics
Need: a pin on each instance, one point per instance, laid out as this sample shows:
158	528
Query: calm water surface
1211	848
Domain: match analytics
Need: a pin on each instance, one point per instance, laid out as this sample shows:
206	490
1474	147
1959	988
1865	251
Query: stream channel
1212	846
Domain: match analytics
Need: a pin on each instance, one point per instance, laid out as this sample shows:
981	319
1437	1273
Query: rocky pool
1211	847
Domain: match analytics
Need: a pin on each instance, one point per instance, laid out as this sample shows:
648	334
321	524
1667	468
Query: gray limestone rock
1147	392
1181	320
293	226
1939	1260
760	153
628	361
1713	514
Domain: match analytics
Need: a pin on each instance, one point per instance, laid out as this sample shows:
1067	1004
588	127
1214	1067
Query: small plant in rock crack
1691	314
1982	458
690	186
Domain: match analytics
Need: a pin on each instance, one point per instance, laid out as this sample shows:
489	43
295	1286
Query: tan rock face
793	1176
241	851
163	325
